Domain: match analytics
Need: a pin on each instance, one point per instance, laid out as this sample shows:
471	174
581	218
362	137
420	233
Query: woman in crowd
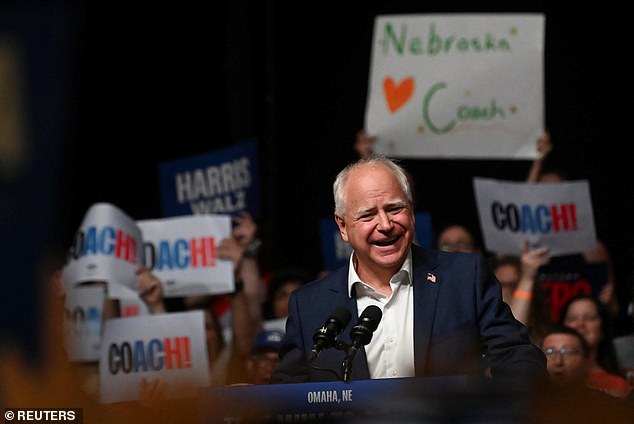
589	317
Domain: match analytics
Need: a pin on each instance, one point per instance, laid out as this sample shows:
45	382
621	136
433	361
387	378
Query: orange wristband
523	294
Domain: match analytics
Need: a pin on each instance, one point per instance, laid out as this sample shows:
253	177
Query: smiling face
377	221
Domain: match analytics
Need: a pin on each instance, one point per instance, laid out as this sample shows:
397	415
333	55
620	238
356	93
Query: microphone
325	337
361	335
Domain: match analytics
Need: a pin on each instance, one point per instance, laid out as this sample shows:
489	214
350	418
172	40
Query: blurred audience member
567	355
281	285
264	356
150	290
364	144
589	317
569	398
507	270
600	254
537	172
522	300
457	238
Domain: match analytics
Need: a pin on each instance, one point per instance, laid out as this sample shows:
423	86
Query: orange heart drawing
397	95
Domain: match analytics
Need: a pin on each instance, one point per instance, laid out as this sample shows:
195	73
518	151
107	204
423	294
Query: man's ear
342	227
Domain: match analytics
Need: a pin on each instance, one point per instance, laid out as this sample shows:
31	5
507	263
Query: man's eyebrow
363	210
397	202
373	209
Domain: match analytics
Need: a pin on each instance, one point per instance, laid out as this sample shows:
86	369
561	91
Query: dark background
149	83
167	82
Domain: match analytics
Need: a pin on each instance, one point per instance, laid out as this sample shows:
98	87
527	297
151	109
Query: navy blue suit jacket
461	324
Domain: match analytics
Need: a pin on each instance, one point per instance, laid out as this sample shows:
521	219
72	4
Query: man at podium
397	309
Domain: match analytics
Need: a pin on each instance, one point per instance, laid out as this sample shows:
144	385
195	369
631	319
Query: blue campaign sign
566	277
336	252
423	230
224	181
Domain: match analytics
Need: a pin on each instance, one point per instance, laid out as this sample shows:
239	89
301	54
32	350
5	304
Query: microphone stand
347	369
351	351
361	335
346	366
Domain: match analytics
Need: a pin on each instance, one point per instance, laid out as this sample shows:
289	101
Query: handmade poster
182	253
557	215
464	86
170	347
107	247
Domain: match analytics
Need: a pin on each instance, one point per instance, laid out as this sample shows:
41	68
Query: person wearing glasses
591	319
541	172
567	356
569	397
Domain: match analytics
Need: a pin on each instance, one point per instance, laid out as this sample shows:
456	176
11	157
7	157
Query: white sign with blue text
557	215
223	181
107	247
170	348
183	253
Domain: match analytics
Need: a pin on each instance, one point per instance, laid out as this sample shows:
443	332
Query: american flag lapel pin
431	277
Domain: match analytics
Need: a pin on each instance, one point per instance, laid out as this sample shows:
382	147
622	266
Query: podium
430	399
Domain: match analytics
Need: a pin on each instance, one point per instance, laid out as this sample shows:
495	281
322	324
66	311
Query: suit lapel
339	289
426	288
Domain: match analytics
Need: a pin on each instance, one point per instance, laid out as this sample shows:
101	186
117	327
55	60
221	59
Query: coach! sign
557	215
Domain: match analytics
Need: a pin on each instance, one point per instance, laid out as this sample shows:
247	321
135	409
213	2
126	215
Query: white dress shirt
390	353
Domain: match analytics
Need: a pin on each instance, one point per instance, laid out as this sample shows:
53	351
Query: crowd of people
521	290
489	323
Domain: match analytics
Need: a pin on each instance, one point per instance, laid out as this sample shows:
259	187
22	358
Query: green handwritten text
463	112
437	44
